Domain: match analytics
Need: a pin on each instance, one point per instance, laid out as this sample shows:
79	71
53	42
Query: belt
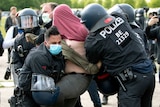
127	74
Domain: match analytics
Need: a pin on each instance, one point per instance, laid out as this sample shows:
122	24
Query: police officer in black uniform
139	17
28	24
154	33
47	60
113	42
128	11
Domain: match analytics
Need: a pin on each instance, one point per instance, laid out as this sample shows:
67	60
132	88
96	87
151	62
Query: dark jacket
21	48
40	61
8	23
154	33
1	42
117	46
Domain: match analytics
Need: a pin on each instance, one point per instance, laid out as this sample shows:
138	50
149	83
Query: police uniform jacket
41	61
22	47
154	33
142	37
117	46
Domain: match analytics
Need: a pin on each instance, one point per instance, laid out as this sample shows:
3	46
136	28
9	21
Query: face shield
41	82
28	22
43	89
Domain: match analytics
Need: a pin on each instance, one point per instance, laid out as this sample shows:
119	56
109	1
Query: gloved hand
30	37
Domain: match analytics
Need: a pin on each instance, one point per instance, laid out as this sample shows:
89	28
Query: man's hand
153	21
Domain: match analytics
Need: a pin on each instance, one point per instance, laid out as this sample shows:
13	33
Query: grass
2	23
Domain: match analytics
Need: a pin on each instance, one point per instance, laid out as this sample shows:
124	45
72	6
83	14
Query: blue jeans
93	92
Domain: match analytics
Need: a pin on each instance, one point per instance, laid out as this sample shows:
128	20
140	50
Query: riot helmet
125	9
27	18
95	16
139	12
43	89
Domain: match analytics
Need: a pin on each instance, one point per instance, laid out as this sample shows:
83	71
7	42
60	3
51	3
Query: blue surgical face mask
55	49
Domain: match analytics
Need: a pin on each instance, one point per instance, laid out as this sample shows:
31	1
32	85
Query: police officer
28	24
154	33
128	11
139	17
47	59
112	41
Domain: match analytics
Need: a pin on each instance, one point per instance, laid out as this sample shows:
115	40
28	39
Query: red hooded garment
68	24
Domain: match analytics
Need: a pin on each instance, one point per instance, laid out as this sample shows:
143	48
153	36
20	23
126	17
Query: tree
114	2
154	3
131	2
35	4
140	3
107	3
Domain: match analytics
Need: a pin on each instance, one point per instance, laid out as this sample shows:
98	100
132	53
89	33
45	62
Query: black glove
7	74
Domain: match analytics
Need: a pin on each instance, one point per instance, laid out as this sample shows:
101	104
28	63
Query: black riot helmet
94	16
139	12
27	18
125	9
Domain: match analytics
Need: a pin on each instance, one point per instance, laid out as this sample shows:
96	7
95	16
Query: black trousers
139	91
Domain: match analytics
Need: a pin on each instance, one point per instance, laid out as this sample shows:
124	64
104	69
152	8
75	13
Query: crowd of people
57	55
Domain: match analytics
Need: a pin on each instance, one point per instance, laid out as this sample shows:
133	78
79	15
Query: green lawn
2	23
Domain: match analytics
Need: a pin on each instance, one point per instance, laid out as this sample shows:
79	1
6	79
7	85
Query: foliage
140	3
154	3
2	29
20	4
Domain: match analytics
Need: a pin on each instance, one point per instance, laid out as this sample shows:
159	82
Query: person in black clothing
46	59
154	33
113	42
1	42
128	11
11	20
139	18
28	24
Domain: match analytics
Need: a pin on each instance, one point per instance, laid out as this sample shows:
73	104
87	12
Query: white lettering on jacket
109	29
121	36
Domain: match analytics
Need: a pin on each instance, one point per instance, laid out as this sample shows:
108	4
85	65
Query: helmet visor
28	22
42	82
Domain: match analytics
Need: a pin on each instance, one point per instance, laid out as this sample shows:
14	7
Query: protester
77	67
113	42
